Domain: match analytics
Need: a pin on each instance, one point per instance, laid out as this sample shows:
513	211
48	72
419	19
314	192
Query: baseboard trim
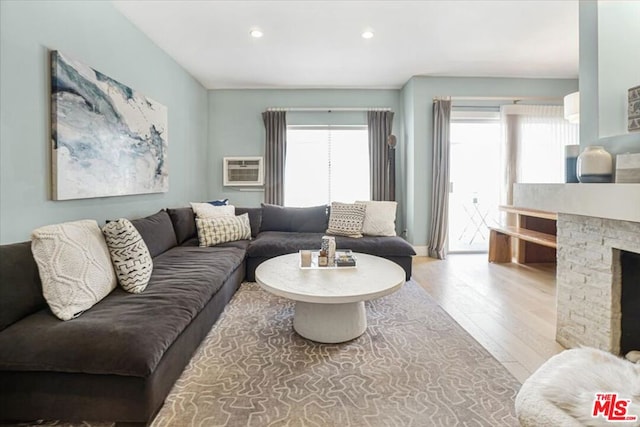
421	250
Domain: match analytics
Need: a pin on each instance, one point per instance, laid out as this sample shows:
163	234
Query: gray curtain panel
510	126
275	123
380	124
440	186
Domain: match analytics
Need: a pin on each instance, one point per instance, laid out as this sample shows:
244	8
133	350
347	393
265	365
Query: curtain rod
328	109
479	107
499	98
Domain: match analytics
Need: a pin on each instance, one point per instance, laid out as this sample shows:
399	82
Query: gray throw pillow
184	223
157	232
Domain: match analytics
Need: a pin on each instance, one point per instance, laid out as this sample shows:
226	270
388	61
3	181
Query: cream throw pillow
74	265
213	231
129	254
207	210
380	218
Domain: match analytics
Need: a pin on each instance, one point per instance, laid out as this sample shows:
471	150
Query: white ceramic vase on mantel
595	164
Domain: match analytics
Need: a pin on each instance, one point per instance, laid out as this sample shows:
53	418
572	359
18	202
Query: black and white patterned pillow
129	254
213	231
346	219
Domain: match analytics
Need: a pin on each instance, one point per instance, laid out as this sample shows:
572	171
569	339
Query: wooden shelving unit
535	234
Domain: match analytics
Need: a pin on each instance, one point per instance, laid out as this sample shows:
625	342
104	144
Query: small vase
595	164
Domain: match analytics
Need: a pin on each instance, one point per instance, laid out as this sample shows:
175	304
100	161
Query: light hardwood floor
508	308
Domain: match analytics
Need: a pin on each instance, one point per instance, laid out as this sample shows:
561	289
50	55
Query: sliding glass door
475	180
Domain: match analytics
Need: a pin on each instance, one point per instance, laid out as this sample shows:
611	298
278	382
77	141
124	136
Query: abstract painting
108	139
633	114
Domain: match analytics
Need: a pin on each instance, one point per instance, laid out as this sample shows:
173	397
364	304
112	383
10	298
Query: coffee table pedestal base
330	323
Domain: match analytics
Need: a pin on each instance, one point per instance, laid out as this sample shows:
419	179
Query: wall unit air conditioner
243	171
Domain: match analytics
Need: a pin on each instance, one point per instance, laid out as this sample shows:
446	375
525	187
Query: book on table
343	258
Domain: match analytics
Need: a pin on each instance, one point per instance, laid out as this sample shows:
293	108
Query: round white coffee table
330	302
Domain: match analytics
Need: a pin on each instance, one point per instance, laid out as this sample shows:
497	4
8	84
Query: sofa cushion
75	266
184	223
129	255
213	231
303	220
157	232
20	288
346	219
124	334
375	245
239	244
255	218
275	243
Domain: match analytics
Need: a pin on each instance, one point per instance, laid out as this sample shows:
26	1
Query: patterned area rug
414	366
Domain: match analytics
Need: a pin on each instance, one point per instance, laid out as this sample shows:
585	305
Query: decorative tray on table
344	259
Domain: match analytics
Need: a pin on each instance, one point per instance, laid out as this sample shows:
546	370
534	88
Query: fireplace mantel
596	223
610	201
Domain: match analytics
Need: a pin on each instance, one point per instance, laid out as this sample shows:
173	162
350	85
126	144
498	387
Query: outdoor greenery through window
326	164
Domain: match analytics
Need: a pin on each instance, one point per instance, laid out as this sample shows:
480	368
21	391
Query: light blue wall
590	86
98	35
419	93
618	63
203	127
236	127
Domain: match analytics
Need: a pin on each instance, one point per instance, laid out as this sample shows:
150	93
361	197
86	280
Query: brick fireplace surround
596	224
589	279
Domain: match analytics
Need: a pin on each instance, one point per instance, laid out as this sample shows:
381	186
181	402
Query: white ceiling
317	44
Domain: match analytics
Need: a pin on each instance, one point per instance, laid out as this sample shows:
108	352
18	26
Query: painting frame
106	138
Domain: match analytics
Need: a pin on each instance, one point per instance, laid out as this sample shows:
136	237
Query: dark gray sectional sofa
119	359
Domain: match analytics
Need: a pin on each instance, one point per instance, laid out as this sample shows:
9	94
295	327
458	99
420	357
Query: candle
305	258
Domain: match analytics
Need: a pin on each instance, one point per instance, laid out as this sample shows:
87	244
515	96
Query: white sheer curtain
534	140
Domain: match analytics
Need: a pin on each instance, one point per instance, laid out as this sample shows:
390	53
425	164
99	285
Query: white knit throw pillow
380	218
129	254
74	265
207	210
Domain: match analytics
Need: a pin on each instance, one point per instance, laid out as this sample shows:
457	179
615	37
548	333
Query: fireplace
630	301
597	283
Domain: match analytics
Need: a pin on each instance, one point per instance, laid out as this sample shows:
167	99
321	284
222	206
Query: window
540	134
325	164
541	150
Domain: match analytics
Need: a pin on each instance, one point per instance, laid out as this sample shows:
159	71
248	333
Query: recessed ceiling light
367	34
256	34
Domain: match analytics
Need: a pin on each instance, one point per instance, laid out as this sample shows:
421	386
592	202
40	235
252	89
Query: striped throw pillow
129	254
346	219
213	231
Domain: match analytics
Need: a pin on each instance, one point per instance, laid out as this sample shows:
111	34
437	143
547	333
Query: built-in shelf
612	201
